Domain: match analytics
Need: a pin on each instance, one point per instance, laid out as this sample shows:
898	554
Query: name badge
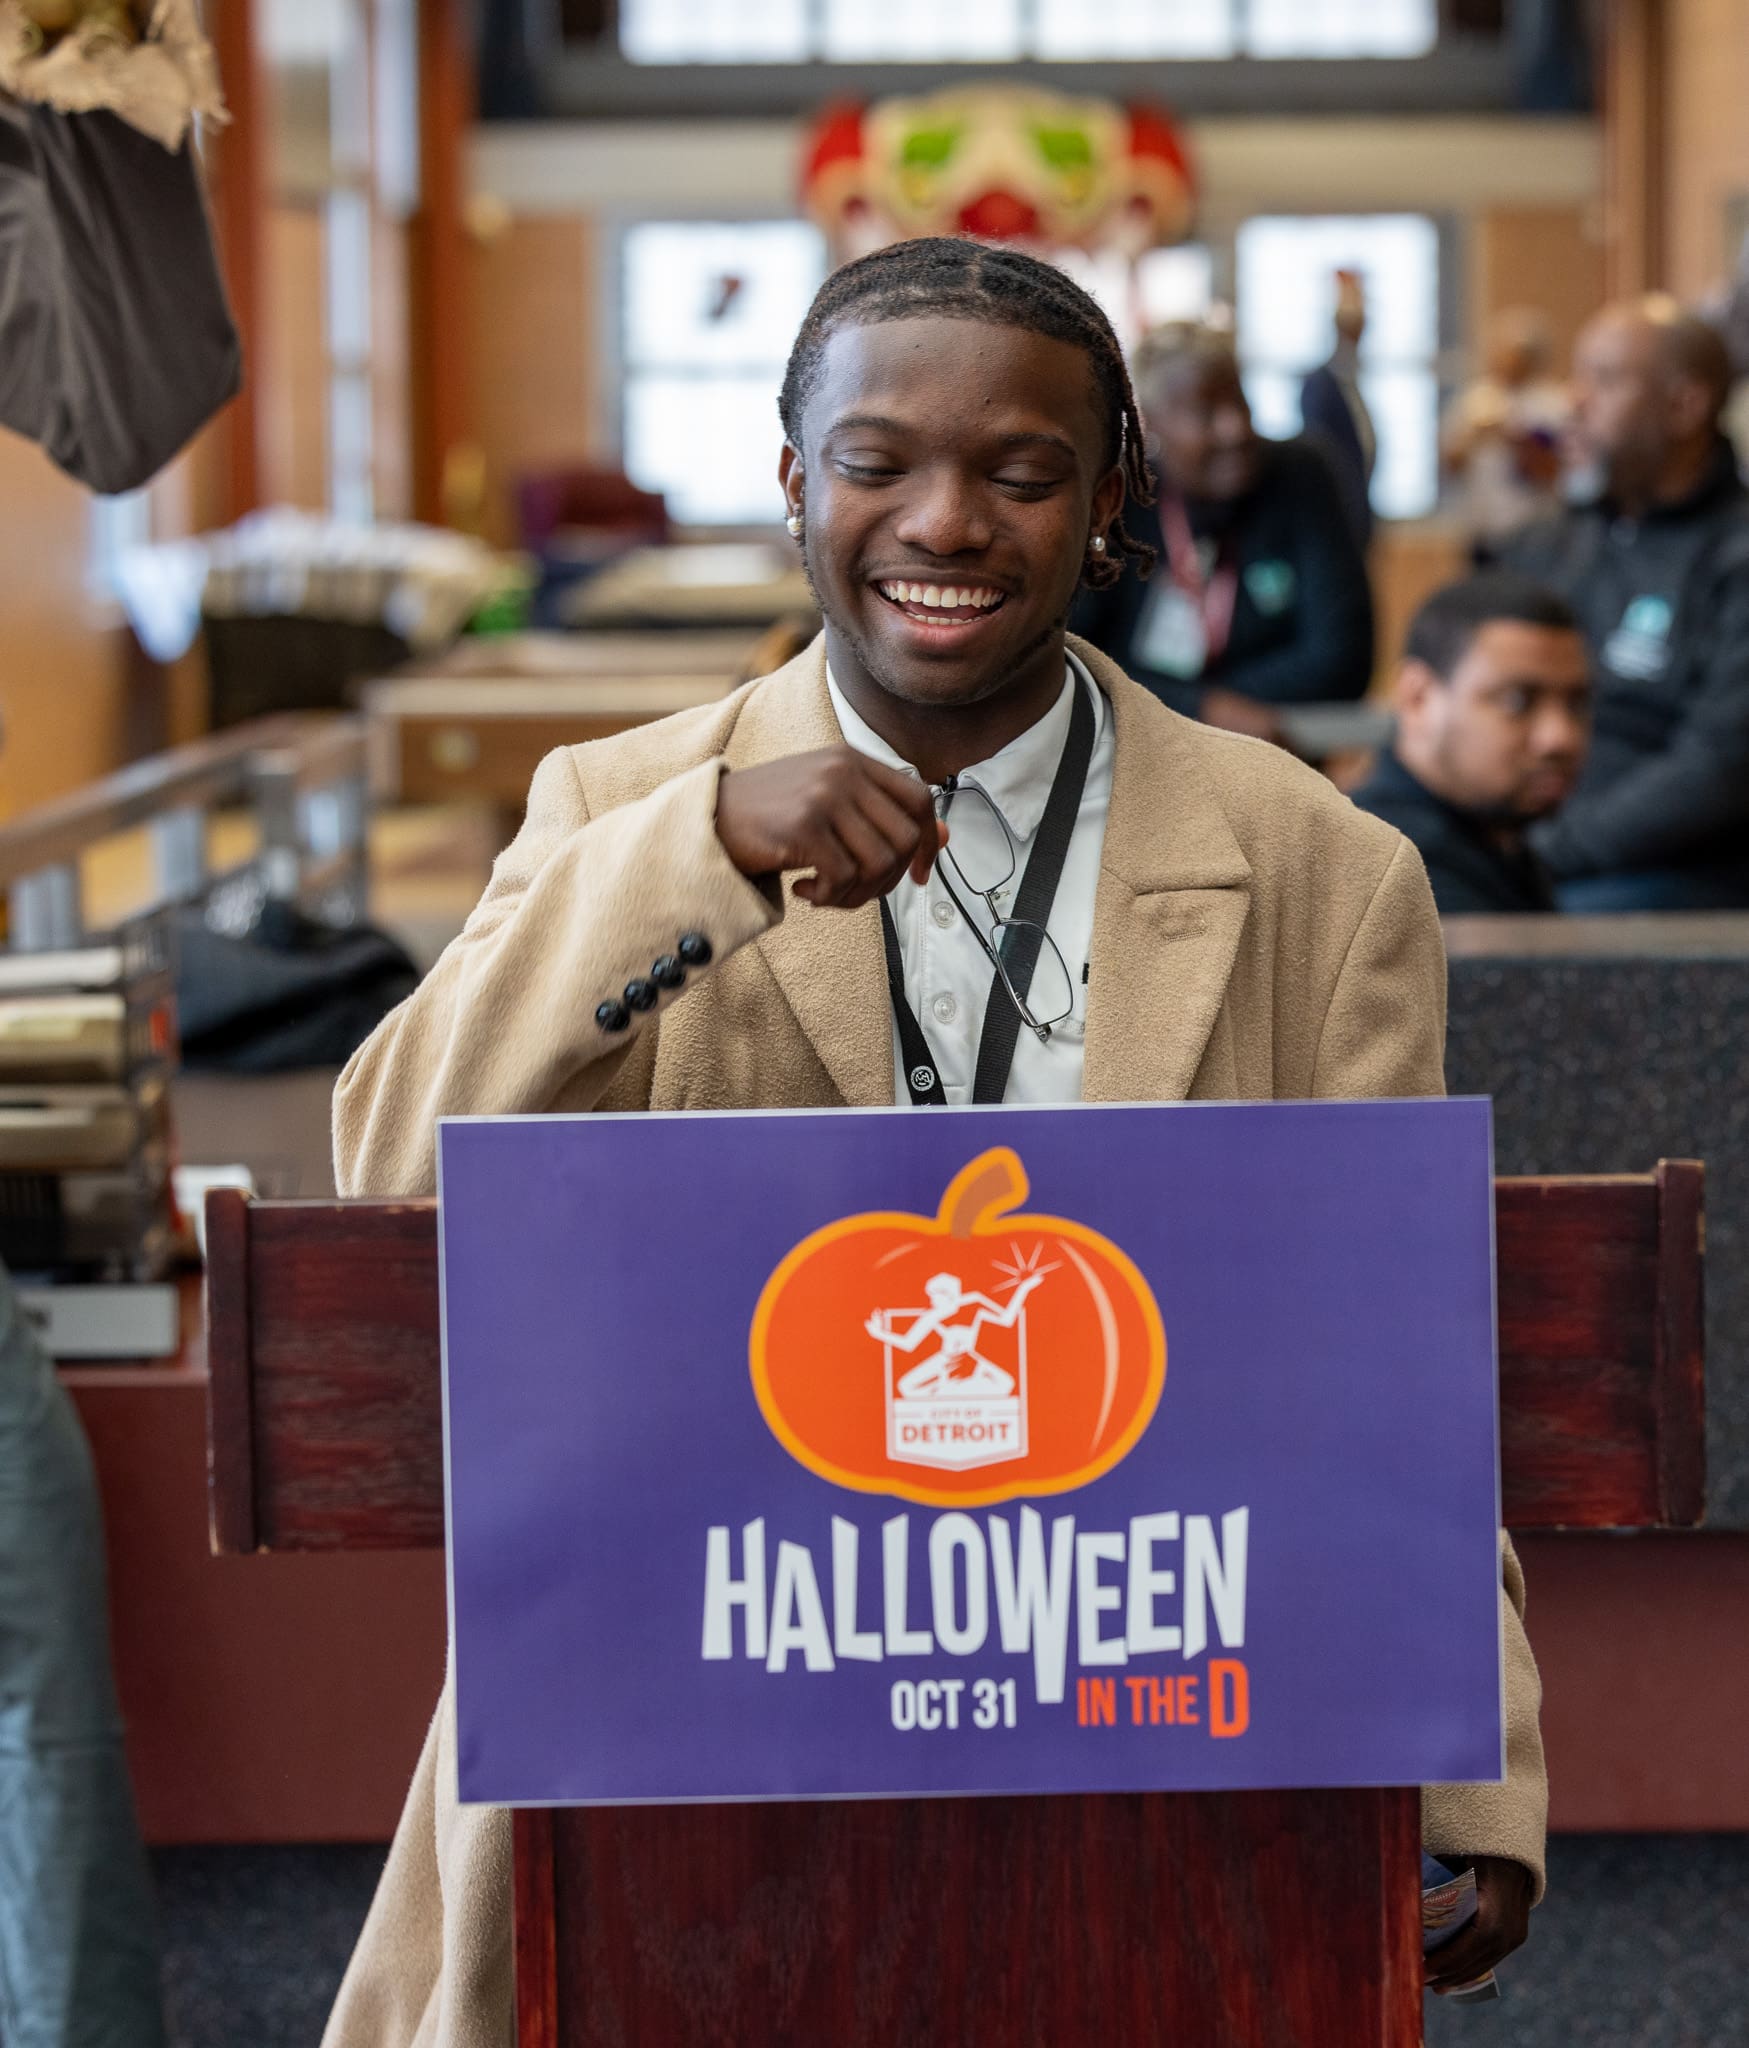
1173	639
1639	648
1271	586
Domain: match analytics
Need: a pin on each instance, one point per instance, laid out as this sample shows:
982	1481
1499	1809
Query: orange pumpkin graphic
972	1356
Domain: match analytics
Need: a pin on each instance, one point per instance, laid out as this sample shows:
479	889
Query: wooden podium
1196	1920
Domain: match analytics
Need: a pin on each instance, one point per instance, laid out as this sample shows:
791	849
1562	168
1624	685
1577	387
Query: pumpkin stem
990	1186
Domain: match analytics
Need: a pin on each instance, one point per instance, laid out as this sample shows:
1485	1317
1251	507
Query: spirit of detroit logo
977	1355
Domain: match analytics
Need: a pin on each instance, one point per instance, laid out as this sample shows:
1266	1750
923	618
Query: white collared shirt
947	974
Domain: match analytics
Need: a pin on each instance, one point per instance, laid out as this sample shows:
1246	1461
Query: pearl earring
794	523
1099	543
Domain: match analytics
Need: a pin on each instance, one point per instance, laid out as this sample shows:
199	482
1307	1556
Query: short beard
1510	817
874	668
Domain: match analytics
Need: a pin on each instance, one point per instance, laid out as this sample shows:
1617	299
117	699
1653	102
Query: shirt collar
1018	779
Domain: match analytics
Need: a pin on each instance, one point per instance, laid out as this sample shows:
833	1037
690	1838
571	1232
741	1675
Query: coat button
695	949
612	1016
641	995
668	972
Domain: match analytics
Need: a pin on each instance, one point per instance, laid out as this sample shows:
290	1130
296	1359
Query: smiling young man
758	905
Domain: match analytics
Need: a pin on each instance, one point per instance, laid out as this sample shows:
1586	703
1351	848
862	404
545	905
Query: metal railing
302	775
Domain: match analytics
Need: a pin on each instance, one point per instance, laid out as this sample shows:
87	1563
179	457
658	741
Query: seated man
1655	561
741	908
1493	714
1260	596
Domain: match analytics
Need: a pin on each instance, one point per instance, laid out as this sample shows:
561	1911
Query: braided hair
949	278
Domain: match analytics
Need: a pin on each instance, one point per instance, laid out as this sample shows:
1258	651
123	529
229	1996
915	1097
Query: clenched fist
1503	1891
858	825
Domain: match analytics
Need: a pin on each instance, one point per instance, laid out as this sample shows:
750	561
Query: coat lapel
1174	894
828	963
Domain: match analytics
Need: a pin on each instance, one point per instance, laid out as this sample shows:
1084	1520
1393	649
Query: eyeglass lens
982	853
983	859
1050	996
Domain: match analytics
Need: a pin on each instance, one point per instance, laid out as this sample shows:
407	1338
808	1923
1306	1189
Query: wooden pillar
237	163
439	252
1635	257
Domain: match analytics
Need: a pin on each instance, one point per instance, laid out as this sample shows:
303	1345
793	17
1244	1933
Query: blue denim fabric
78	1943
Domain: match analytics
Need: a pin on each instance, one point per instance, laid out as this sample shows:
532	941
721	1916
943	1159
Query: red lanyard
1214	594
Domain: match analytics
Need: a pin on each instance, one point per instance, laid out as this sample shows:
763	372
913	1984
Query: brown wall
1407	563
60	666
1706	138
530	353
1549	257
1676	144
294	363
391	412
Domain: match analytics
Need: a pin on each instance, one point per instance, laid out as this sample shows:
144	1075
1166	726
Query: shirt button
945	1008
944	914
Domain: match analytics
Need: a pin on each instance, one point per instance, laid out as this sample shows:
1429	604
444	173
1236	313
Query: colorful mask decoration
1001	162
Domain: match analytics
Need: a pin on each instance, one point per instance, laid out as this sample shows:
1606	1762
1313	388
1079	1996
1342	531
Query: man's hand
1502	1921
1232	711
858	824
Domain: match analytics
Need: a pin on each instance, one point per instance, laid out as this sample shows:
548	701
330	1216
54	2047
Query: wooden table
537	656
439	738
737	583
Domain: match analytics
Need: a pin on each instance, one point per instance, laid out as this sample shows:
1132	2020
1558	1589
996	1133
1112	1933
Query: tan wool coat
1255	937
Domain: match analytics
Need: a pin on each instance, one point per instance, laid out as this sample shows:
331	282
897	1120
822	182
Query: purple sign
869	1452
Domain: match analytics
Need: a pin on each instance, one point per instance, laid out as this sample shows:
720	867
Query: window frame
611	385
1449	254
1218	235
1463	75
1028	22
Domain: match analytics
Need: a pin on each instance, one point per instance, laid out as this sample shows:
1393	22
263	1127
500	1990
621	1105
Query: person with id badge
950	854
1260	596
1188	617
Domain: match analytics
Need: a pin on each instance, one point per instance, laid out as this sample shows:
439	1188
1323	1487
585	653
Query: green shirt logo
1271	585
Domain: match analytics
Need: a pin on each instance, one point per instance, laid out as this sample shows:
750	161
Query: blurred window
709	312
1341	28
715	31
920	31
1068	30
1286	267
344	132
1163	284
924	31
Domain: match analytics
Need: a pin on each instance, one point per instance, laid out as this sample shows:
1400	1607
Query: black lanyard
1032	905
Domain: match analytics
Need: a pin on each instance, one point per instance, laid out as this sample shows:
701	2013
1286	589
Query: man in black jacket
1493	711
1260	596
1656	564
